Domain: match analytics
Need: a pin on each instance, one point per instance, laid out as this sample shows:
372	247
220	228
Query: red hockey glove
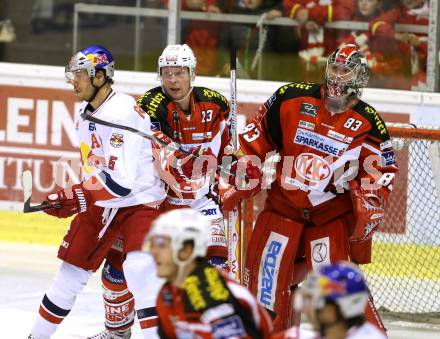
181	165
368	211
230	195
72	200
206	161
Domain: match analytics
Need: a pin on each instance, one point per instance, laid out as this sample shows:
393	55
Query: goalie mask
340	283
345	75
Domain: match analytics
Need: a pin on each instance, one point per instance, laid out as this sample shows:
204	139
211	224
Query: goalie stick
234	231
27	193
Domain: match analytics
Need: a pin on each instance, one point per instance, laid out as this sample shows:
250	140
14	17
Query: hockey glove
203	159
230	194
368	212
72	200
182	166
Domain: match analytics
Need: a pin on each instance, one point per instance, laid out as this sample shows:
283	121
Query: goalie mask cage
404	276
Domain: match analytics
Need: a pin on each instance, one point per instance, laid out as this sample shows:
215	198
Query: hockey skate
106	334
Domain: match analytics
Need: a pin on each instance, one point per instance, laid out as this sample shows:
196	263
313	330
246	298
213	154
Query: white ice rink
26	272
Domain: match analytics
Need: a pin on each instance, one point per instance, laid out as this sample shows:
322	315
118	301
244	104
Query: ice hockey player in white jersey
334	298
120	195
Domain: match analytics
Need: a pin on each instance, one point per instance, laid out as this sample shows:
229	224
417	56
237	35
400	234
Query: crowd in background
392	56
272	52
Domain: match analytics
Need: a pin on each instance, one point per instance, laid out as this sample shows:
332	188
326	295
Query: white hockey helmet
92	59
182	225
178	55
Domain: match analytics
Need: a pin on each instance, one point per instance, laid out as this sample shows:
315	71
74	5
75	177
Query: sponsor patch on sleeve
388	158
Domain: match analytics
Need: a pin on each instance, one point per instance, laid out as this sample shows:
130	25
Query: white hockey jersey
120	160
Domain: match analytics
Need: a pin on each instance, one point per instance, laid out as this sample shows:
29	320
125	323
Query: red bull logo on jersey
116	140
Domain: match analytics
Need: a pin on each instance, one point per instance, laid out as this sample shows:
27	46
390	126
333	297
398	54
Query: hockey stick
234	222
150	137
27	192
175	146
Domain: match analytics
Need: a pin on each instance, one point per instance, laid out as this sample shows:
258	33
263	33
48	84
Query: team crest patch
309	109
117	140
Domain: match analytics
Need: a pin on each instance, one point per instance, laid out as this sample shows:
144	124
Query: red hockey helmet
346	74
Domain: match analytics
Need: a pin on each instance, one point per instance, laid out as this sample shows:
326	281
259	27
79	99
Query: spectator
246	38
317	42
202	36
412	47
381	52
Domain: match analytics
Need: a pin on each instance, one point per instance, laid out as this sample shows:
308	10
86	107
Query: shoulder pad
299	89
152	100
210	95
378	127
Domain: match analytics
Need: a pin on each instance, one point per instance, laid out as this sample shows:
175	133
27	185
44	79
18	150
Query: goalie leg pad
274	244
118	300
325	244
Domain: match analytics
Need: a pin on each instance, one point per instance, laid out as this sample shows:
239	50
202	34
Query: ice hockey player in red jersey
198	300
334	298
120	194
334	171
197	119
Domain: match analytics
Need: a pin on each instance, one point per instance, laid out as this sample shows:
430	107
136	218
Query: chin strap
97	88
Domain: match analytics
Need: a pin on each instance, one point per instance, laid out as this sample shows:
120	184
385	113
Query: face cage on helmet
353	86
